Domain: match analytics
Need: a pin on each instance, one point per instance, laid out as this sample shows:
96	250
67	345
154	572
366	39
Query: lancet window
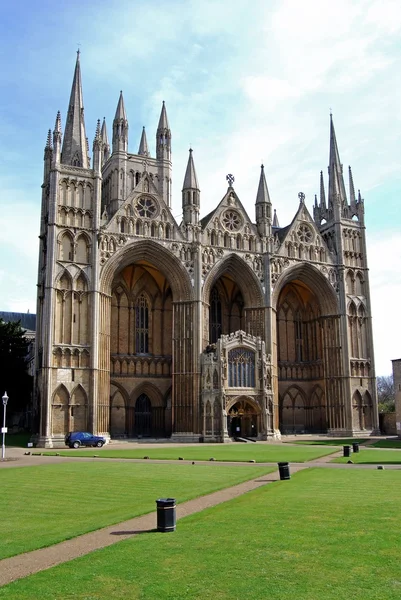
142	325
215	320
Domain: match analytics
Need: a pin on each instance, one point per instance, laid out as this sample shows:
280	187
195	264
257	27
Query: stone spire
97	149
263	193
190	194
143	145
57	138
163	136
351	189
74	151
105	142
120	127
275	220
337	193
190	179
322	192
263	206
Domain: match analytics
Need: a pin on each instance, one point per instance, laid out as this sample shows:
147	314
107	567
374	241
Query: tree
386	393
14	378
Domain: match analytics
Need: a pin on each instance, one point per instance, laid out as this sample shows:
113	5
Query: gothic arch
78	409
82	248
60	410
357	411
65	240
154	253
315	280
242	274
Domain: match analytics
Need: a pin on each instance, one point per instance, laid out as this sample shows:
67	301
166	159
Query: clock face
146	207
232	220
304	233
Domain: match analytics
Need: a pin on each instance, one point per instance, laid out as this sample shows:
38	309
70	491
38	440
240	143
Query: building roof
28	320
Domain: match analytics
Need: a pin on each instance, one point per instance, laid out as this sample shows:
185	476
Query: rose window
304	233
231	220
146	207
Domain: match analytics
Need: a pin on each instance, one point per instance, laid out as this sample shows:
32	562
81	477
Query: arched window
299	337
241	368
215	322
143	416
141	325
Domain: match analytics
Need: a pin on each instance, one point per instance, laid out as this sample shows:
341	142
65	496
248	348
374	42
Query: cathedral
221	327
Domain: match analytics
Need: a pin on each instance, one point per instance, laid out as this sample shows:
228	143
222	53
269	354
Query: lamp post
4	428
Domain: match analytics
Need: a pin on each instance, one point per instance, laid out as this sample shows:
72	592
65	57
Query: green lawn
222	452
330	442
325	535
387	444
372	456
46	504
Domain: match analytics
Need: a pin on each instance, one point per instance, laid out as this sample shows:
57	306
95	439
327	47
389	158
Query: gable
302	239
227	221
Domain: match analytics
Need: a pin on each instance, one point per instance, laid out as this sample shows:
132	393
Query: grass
373	457
330	442
50	503
309	538
387	444
221	452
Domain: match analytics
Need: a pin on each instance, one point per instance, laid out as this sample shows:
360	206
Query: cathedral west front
222	326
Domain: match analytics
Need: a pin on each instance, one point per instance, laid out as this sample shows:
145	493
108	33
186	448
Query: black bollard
346	451
166	518
355	447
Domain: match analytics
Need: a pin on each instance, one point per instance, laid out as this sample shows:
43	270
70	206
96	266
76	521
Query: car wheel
76	445
99	444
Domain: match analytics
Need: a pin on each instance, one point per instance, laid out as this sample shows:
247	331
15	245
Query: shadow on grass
135	532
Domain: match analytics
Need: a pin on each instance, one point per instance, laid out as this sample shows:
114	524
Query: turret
263	206
97	150
57	140
163	155
105	142
75	149
48	155
190	194
120	128
143	145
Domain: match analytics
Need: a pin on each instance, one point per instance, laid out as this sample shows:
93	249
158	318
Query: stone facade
397	391
200	330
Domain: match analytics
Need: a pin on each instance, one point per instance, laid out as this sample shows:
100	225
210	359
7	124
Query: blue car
76	439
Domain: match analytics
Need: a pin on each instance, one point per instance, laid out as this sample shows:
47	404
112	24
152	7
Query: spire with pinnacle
191	193
263	206
105	142
337	195
163	136
143	145
120	127
74	151
57	138
275	220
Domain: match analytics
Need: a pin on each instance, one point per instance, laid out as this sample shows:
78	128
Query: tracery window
146	207
231	220
241	368
304	233
141	325
215	321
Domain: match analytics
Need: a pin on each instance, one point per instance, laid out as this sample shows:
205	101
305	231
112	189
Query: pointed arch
79	409
82	249
66	247
60	416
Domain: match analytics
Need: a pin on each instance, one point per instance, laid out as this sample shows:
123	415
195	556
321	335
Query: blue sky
243	82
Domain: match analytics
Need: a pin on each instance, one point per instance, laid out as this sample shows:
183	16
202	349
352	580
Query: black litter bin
284	470
166	518
346	451
355	447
